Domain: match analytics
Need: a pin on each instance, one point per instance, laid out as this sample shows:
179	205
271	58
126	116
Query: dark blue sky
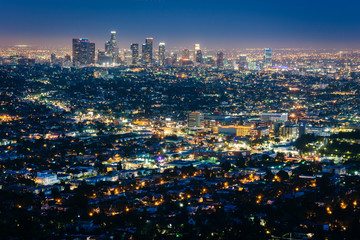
214	24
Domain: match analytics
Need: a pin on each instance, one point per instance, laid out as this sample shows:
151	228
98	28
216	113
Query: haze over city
214	24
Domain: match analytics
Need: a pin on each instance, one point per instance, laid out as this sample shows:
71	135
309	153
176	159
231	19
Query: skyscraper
220	59
162	53
92	52
127	58
147	50
268	58
185	54
113	39
111	47
173	58
83	51
108	47
53	58
242	62
196	49
197	53
135	53
198	56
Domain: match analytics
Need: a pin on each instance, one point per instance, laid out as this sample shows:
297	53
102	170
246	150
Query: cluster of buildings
84	53
302	62
172	147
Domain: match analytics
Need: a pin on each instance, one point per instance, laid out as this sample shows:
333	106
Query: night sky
214	24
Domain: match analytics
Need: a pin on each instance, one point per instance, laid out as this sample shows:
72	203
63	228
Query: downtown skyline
177	120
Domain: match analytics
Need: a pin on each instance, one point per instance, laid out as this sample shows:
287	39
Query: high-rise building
268	58
127	58
92	52
111	47
185	54
197	53
162	54
242	62
209	60
196	49
53	58
196	120
144	55
198	56
113	39
108	47
302	129
135	53
147	50
173	58
220	59
83	51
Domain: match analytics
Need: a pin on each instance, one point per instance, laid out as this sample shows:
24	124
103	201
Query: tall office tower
53	58
135	53
92	52
196	49
242	62
162	53
108	47
113	39
173	58
198	56
147	50
111	46
143	53
83	51
185	54
220	59
127	59
268	58
196	120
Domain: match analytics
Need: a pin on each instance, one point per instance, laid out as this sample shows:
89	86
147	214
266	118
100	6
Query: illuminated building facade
147	51
162	54
135	53
196	120
186	54
235	130
268	58
220	59
268	117
83	51
111	47
197	53
196	49
198	56
243	62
